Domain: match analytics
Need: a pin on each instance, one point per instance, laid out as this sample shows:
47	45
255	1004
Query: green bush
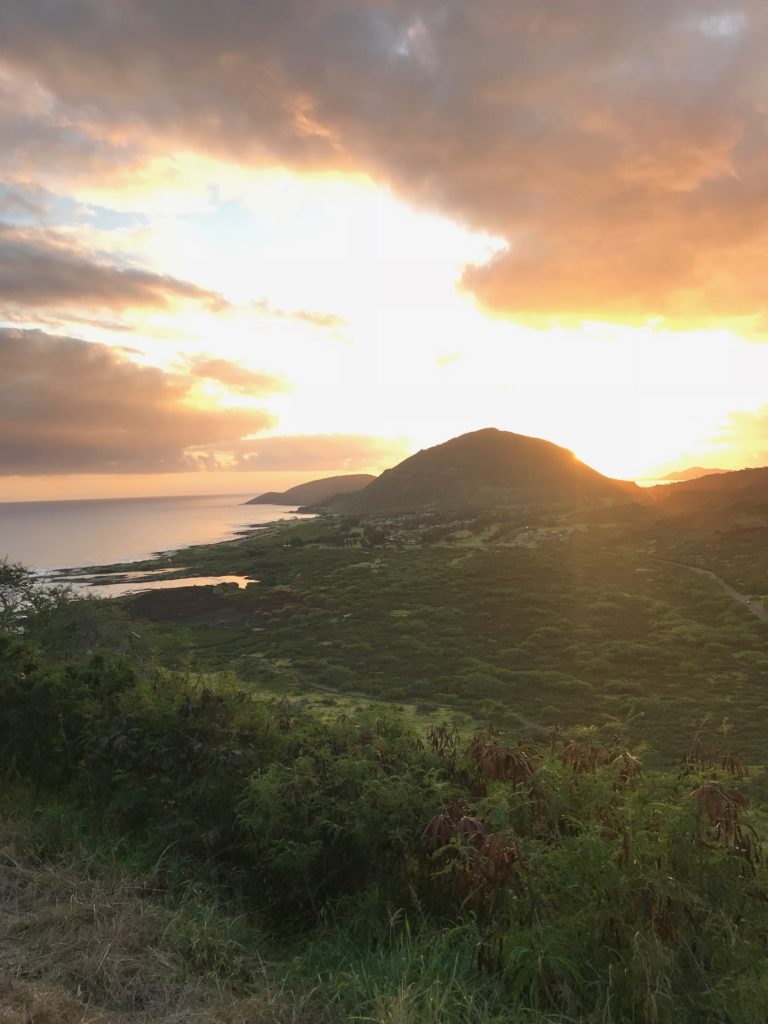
556	879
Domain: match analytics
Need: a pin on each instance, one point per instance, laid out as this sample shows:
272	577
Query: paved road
752	606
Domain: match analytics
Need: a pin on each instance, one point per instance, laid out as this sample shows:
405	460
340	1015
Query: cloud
314	318
25	203
43	137
743	439
617	146
69	406
57	323
237	377
40	269
347	453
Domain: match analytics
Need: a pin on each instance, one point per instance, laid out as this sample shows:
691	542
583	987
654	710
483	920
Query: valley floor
526	619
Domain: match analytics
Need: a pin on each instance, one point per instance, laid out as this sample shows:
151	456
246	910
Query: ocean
46	535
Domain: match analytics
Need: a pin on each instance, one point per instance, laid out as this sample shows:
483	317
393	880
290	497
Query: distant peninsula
692	473
315	490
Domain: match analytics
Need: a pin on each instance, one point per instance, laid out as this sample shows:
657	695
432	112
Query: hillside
315	490
484	469
719	523
716	491
692	473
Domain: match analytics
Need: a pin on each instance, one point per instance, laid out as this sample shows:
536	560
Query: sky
255	242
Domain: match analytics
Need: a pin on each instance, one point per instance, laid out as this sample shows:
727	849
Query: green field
534	627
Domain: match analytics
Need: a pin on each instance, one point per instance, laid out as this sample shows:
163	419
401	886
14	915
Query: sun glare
354	298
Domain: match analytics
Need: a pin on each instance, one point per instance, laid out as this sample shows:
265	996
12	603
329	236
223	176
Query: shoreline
126	578
55	538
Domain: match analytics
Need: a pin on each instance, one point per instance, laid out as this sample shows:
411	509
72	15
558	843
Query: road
752	606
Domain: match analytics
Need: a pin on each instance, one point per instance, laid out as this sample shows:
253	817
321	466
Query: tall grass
348	869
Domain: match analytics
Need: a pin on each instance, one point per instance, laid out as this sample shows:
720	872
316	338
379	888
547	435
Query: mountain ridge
315	490
692	473
483	468
715	491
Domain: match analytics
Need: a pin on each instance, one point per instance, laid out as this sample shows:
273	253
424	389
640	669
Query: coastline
118	579
54	538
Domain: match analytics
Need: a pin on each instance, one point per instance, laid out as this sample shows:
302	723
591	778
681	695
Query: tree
59	620
18	590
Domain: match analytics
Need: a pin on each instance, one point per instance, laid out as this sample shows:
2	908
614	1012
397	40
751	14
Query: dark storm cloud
68	406
237	377
618	147
343	452
38	269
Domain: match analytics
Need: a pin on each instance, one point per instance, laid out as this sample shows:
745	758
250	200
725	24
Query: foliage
573	628
22	595
61	623
482	876
535	874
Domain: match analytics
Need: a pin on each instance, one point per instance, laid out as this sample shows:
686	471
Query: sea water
48	535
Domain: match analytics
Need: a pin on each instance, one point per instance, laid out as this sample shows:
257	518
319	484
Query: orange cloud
237	377
69	406
617	147
314	452
314	318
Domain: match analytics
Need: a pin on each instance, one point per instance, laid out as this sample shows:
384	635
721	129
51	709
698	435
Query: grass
624	908
87	937
275	680
90	935
406	975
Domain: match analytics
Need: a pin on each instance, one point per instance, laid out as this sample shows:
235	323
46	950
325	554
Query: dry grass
78	950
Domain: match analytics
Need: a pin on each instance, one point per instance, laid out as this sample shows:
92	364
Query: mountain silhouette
314	490
715	490
484	469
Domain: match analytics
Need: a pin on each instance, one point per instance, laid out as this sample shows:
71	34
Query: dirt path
756	609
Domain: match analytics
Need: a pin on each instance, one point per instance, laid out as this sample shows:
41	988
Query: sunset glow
261	279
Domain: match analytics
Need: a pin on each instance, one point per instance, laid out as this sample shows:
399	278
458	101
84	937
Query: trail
756	609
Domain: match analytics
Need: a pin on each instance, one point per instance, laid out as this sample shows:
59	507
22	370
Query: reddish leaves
502	764
442	739
723	806
478	862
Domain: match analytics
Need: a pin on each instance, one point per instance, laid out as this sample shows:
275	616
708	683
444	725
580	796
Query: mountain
314	490
484	469
692	473
715	490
